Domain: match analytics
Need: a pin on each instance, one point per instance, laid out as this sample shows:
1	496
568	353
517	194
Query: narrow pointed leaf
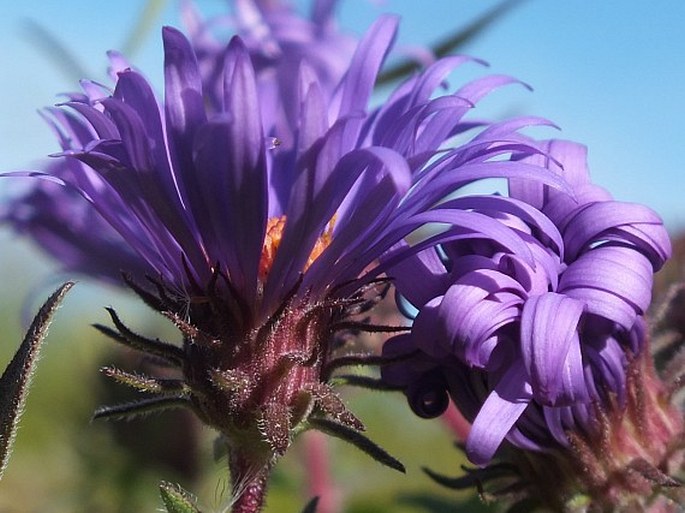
146	23
133	409
358	440
334	408
148	384
16	380
452	42
176	499
365	382
168	352
52	46
472	478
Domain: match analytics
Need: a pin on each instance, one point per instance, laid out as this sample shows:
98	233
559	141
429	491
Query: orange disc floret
321	243
272	240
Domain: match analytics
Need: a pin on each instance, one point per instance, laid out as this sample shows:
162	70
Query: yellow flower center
272	240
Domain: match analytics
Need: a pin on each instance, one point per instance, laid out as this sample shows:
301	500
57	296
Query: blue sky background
610	73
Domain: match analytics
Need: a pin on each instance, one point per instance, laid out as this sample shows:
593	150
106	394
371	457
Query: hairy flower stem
249	483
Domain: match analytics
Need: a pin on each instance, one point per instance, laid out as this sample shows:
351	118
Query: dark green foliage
171	354
16	380
358	440
452	42
133	409
473	477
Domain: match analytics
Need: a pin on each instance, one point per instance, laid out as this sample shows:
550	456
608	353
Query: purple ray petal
551	348
420	276
183	107
594	219
366	62
500	411
613	282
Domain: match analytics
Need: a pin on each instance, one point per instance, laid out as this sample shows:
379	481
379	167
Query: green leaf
473	477
170	353
452	42
358	440
367	382
176	499
51	45
147	22
147	384
16	380
141	407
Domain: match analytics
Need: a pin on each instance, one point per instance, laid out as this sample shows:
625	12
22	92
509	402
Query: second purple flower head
529	320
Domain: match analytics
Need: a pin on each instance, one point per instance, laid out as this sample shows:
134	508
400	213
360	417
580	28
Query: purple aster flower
260	249
528	319
278	38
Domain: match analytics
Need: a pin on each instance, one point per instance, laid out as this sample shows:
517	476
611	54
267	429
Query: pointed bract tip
16	379
176	499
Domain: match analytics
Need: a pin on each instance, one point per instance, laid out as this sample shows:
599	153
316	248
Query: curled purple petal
551	348
500	411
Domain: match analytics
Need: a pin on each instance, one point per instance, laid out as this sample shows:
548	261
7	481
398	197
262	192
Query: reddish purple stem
249	484
320	484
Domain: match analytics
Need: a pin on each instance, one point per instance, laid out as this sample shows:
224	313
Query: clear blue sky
610	73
